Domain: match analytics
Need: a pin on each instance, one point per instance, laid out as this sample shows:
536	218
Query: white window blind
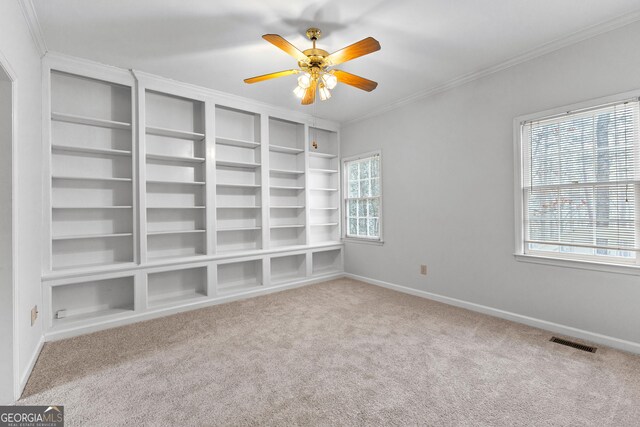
363	197
581	183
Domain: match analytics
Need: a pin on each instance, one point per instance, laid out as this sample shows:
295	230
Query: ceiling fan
314	66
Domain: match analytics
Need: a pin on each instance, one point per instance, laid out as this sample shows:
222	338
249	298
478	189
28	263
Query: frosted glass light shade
330	81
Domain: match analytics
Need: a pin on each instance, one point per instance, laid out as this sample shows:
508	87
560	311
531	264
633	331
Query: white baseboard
98	325
27	371
594	337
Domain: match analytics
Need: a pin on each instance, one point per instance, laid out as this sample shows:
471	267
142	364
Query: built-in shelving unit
287	180
324	185
91	172
175	175
166	197
239	178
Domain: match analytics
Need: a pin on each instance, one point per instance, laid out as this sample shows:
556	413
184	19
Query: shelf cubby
239	276
87	301
175	245
91	172
287	268
99	251
327	261
175	174
175	286
324	184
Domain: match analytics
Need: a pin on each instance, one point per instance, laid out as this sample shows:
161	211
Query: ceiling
216	44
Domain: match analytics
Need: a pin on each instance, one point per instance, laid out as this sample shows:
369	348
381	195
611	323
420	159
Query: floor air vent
574	344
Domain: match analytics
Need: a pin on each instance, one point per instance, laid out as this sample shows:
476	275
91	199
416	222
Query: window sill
583	265
363	241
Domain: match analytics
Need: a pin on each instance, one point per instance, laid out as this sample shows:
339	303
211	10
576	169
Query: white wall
6	238
17	46
449	198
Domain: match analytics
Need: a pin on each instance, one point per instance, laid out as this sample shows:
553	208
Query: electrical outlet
34	314
423	269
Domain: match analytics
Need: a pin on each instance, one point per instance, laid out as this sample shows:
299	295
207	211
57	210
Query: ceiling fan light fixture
304	81
329	80
299	91
325	93
314	74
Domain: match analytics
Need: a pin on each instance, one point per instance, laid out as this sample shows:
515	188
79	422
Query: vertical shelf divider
307	192
140	155
265	181
210	178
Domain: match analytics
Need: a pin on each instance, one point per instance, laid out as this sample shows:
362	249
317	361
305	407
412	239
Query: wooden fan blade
355	81
356	50
281	43
310	95
264	77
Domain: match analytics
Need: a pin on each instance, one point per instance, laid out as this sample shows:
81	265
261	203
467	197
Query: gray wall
17	46
449	190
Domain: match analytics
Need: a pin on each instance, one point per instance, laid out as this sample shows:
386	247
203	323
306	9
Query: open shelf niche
91	172
239	276
287	183
175	286
288	268
326	261
324	185
238	178
175	173
86	301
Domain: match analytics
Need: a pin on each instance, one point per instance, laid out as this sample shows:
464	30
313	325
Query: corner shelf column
141	160
266	182
210	179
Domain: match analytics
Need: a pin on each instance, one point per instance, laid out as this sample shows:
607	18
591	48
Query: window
363	197
580	184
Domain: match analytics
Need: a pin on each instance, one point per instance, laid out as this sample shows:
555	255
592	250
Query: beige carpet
336	353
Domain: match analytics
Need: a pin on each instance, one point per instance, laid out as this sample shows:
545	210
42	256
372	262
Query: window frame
607	264
345	216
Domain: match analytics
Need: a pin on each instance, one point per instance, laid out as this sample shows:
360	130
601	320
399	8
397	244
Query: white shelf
236	142
286	150
326	224
287	207
231	164
172	133
90	150
238	207
322	155
289	226
323	189
181	159
89	121
324	209
175	182
240	229
166	232
238	185
286	172
90	207
285	187
91	236
176	207
89	178
323	170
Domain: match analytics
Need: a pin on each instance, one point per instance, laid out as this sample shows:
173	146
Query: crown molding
71	64
29	12
544	49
